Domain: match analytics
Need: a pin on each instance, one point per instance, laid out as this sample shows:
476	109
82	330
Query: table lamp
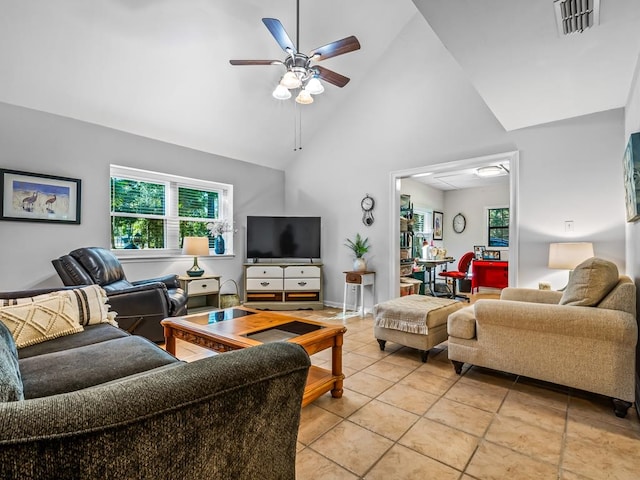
195	246
567	256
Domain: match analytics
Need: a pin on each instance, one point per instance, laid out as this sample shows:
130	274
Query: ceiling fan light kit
281	93
300	73
304	97
290	80
314	86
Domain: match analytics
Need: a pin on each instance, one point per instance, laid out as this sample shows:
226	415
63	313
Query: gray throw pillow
10	379
590	282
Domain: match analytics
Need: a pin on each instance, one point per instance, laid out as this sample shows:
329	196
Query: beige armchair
584	337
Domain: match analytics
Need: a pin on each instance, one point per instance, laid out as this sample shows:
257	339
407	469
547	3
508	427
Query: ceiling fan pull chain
300	129
295	127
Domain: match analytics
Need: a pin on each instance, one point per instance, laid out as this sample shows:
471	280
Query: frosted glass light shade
314	86
568	256
490	171
304	97
290	80
281	93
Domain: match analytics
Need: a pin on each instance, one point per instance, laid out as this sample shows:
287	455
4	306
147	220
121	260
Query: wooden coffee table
241	327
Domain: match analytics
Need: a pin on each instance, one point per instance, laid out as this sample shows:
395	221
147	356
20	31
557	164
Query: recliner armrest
171	281
146	299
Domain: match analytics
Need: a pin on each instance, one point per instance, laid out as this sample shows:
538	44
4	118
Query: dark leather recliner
141	305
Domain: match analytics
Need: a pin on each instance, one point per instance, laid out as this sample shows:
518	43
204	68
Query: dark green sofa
102	404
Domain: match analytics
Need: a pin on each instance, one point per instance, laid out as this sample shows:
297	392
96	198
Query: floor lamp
568	255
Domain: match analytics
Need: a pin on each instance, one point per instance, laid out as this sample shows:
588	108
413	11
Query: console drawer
203	286
264	272
302	284
302	272
257	284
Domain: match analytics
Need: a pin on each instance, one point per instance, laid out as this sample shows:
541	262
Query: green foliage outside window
196	204
498	226
139	213
130	196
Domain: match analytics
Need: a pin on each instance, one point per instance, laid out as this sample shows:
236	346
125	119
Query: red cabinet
489	273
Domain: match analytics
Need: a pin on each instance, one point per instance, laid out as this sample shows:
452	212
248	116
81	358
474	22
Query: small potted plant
359	247
216	229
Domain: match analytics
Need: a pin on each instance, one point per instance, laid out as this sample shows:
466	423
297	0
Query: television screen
283	237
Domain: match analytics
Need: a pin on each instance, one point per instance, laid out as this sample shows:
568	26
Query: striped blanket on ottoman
417	321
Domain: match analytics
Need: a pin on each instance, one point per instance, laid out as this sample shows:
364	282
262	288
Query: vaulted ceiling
159	68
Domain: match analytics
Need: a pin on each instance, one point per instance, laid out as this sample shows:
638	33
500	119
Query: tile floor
400	418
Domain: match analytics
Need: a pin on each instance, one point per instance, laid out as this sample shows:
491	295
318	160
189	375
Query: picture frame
478	251
631	168
36	197
437	225
405	202
491	255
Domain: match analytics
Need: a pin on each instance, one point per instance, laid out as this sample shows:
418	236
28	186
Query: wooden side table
358	279
203	293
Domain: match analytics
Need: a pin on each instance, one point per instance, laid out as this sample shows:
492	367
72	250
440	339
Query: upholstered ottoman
417	321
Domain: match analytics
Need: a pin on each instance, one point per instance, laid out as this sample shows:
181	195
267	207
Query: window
154	211
498	227
420	231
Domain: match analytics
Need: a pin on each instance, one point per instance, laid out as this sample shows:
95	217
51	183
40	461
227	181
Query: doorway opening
508	158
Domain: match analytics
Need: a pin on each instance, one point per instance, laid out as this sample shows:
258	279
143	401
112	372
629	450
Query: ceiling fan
301	72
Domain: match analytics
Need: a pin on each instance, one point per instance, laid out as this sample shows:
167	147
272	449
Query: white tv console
283	286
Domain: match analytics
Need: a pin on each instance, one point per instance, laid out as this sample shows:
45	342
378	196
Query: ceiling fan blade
280	34
255	62
331	76
333	49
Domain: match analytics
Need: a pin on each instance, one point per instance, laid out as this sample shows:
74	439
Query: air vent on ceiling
576	15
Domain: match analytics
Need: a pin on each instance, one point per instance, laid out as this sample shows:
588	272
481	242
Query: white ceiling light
303	77
576	15
304	97
491	171
281	93
314	86
290	80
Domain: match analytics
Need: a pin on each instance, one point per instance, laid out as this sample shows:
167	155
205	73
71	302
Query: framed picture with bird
36	197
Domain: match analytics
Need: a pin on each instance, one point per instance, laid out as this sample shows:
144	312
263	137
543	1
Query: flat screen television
283	237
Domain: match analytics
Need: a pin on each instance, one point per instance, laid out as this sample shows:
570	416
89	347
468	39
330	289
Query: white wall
632	125
571	170
471	202
416	109
42	143
423	196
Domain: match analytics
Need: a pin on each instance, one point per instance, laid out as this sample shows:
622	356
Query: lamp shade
290	80
304	97
314	86
281	93
195	246
569	255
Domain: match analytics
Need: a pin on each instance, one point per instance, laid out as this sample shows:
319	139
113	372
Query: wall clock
459	223
367	205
